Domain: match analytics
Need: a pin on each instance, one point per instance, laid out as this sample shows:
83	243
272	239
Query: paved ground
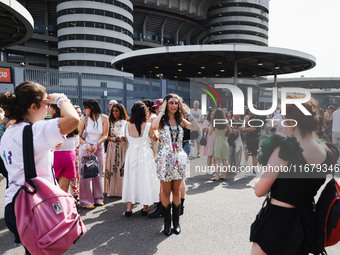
217	220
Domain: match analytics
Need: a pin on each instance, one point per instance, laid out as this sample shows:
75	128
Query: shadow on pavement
122	235
201	183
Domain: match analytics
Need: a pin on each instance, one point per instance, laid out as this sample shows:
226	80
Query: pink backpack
47	218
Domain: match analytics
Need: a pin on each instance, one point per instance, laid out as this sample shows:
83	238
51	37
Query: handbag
182	158
194	135
121	170
203	141
90	167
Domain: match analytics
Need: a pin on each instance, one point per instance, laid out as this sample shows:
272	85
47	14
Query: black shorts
252	144
283	231
11	222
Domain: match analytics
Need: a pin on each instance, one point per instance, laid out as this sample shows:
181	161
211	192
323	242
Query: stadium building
206	40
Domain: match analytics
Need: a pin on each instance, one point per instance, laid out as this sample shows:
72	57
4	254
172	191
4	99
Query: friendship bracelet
63	136
61	95
62	100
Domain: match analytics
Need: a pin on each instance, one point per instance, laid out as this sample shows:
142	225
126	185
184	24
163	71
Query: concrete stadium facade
90	33
84	36
16	23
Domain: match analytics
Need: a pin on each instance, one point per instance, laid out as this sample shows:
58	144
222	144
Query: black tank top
300	191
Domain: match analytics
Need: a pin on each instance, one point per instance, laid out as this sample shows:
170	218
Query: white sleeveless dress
140	184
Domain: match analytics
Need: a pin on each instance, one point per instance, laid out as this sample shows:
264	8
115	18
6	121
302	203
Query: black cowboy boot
175	218
166	212
157	212
181	210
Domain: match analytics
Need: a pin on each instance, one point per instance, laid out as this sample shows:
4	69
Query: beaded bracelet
61	95
61	99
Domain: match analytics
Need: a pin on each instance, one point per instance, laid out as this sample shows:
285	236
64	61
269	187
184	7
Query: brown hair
122	113
178	114
306	123
25	94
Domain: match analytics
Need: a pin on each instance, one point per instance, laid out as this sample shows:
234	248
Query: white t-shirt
46	135
336	121
70	144
197	115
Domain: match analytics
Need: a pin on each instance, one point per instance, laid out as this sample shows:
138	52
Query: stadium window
89	24
99	25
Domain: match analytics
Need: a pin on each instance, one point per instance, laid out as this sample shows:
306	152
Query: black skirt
286	231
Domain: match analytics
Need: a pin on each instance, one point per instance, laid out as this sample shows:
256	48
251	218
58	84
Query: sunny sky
310	26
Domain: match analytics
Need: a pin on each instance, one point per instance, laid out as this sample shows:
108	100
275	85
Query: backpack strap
84	133
331	152
28	153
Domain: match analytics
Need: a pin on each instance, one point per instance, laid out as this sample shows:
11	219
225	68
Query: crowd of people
138	158
227	136
142	158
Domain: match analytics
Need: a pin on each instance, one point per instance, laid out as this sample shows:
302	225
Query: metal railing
80	86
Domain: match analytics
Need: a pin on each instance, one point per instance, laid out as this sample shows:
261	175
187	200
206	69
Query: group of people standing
287	222
135	169
131	169
144	160
227	135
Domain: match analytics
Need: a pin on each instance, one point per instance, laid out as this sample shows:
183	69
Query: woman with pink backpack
29	105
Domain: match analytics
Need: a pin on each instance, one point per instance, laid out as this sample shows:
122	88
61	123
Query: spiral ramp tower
238	22
91	33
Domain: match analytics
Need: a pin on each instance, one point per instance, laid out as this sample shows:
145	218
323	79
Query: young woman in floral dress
116	149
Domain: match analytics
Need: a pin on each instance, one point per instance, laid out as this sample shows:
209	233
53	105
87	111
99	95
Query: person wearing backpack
288	223
29	105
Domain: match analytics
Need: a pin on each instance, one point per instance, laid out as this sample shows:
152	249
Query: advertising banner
5	75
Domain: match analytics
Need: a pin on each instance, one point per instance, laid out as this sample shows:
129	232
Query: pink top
210	139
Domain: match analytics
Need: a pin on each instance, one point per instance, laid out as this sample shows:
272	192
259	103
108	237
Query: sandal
215	179
223	178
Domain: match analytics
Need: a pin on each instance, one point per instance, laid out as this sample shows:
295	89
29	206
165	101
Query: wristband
61	99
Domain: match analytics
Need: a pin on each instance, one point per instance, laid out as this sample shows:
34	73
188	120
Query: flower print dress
115	157
168	168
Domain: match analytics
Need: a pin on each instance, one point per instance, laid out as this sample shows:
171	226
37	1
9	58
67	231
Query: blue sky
309	26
